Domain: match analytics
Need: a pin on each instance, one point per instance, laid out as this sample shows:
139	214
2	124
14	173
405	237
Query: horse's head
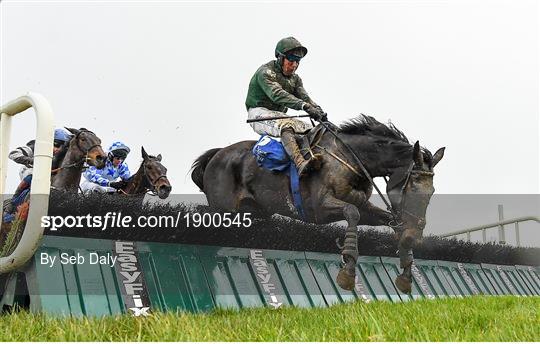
156	174
88	146
410	190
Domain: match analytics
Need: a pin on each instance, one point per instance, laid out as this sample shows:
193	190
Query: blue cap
61	135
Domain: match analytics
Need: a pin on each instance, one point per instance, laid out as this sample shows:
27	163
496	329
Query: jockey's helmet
118	150
290	45
60	137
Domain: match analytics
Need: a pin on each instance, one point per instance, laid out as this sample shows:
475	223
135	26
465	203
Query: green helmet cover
287	44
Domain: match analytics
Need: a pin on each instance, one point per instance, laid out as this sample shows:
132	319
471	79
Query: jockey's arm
301	93
276	93
124	172
22	155
92	174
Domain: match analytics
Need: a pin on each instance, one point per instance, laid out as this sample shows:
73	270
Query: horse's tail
199	165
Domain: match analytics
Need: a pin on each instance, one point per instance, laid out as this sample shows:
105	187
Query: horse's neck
137	183
69	176
379	157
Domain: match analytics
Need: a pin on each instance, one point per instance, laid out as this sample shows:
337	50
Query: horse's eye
149	167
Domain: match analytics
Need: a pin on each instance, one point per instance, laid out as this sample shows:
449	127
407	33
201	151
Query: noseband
86	158
79	146
153	183
398	213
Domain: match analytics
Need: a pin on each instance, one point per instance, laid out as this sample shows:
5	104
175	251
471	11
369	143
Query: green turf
453	319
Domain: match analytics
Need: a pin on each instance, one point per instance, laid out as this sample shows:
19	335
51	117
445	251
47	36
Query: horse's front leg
374	216
349	253
405	252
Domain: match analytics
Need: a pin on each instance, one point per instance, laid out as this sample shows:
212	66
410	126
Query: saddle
308	141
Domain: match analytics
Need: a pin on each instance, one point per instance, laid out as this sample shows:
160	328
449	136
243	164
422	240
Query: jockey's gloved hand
314	112
324	117
117	185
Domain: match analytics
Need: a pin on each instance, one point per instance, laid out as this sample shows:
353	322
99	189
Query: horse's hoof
404	284
344	280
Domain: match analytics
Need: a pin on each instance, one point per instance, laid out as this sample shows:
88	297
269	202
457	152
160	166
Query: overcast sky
173	76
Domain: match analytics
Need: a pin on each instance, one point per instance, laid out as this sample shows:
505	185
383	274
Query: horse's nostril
165	188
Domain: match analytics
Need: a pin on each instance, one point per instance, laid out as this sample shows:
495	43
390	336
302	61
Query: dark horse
67	166
151	176
232	181
84	147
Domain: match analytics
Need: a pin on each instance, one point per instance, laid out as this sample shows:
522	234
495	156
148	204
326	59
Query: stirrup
304	168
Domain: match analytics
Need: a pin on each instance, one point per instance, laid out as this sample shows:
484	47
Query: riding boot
291	147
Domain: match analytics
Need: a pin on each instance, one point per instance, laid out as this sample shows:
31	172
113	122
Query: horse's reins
89	149
359	162
152	183
421	222
396	214
148	181
85	159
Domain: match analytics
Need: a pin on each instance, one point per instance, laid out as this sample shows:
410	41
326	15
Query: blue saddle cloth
271	155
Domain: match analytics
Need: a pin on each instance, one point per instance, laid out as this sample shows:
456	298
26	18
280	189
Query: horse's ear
158	158
437	156
73	130
417	154
144	154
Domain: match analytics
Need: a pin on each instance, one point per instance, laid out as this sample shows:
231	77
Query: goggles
293	58
118	154
58	143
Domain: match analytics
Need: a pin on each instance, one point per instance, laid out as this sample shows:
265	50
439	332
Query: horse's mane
90	131
369	126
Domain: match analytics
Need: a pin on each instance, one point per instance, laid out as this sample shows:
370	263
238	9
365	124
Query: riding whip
272	118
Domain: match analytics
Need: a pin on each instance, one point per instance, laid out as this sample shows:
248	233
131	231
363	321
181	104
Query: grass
480	318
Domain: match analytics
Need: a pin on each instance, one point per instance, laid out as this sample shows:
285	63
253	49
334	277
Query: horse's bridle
396	213
79	146
154	182
85	159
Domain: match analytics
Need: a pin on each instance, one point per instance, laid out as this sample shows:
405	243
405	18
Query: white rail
41	180
483	228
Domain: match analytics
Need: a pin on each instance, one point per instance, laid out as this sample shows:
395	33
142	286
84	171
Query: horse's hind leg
248	204
349	253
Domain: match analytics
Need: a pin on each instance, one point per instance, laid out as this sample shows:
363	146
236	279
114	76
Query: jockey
24	155
273	89
104	180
